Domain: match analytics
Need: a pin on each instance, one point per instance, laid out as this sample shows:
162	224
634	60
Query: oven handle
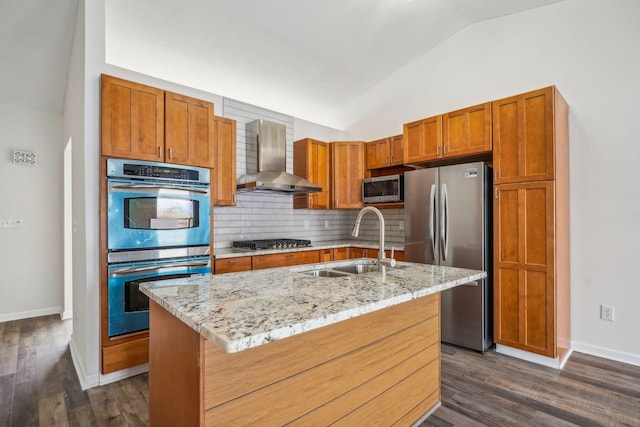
160	187
123	271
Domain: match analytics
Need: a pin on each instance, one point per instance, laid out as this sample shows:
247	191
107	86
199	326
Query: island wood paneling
279	359
254	387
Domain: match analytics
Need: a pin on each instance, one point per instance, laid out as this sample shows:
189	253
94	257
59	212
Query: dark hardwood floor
39	387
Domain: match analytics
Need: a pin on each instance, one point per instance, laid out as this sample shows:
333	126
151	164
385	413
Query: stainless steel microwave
383	189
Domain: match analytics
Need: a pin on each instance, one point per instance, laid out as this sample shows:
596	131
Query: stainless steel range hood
266	162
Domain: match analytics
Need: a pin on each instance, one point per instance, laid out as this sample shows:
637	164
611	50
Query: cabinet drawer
231	265
285	259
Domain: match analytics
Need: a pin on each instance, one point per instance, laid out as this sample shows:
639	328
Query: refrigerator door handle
432	208
444	222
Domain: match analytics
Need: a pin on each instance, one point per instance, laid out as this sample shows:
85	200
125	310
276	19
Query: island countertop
238	311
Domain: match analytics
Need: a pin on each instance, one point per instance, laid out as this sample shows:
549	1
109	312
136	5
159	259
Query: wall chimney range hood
266	162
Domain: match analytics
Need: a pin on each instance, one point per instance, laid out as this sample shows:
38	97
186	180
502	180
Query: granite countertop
238	311
315	245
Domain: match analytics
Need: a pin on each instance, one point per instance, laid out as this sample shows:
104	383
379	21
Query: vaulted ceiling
300	57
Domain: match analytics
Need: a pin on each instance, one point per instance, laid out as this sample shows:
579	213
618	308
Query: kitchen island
280	346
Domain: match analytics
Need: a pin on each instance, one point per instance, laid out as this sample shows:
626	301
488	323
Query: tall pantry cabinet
531	224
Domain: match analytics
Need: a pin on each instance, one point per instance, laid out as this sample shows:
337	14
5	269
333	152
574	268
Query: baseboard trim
605	353
86	381
550	362
123	373
66	315
29	314
425	416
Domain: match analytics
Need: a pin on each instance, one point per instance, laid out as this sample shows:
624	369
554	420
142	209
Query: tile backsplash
265	215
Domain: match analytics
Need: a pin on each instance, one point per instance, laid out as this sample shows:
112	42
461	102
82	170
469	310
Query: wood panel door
378	155
132	120
189	131
524	257
347	161
523	137
396	150
467	131
423	140
225	165
311	161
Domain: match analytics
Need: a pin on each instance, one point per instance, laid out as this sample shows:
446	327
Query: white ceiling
305	58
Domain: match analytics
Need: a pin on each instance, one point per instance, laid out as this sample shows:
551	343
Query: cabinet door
524	283
523	137
189	131
340	254
467	131
347	162
232	265
423	140
225	165
132	120
285	259
396	150
311	161
378	155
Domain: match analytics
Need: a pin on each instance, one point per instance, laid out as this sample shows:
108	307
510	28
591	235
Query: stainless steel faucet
382	261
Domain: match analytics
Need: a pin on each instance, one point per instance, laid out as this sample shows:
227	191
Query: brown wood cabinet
348	170
385	152
467	131
146	123
524	266
524	136
132	120
224	188
189	131
311	161
423	140
531	226
285	259
340	254
232	265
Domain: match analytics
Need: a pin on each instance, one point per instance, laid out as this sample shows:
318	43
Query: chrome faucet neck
356	230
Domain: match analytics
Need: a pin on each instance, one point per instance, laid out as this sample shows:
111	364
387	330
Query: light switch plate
24	158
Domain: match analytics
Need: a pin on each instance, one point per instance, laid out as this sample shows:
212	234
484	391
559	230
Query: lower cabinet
285	259
529	307
232	265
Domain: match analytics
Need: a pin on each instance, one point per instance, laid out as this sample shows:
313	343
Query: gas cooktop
271	244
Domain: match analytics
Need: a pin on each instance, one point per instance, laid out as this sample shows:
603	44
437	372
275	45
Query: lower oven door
128	306
144	215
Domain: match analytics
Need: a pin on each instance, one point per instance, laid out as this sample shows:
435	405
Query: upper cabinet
132	120
224	187
347	160
524	136
311	161
385	152
423	140
189	131
145	123
467	131
458	133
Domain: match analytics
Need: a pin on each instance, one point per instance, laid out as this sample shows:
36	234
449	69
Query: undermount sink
357	268
323	272
343	270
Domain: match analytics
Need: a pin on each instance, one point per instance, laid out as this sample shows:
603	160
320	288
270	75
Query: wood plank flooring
39	387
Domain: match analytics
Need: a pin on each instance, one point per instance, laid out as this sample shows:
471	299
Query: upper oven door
159	215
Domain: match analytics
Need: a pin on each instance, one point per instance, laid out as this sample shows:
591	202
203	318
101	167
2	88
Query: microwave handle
160	187
123	271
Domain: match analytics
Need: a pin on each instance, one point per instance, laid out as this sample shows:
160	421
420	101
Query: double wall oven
158	228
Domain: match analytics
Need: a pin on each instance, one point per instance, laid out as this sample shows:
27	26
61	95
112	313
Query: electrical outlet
401	225
606	312
326	224
306	224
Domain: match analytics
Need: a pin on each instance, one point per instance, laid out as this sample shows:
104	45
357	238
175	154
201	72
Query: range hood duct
266	162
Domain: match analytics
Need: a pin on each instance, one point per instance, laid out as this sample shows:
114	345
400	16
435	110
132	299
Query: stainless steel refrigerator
448	221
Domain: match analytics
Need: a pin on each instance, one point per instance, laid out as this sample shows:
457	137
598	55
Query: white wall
31	257
589	49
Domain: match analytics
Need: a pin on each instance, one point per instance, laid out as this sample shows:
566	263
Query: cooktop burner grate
271	244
